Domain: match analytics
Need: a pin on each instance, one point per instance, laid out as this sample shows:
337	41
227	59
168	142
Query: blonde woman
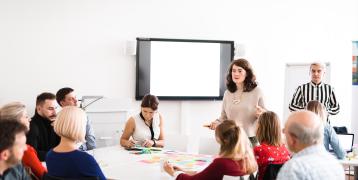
330	137
235	159
65	160
17	111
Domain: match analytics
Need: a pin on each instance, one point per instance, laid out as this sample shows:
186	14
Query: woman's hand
148	143
259	111
130	143
168	168
214	124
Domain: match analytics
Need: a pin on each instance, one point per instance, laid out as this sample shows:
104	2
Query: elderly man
66	97
41	135
315	90
12	147
310	161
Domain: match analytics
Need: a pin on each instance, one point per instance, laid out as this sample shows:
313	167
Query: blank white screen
185	69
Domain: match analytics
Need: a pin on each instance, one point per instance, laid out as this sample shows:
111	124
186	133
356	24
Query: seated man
304	133
12	147
41	135
66	97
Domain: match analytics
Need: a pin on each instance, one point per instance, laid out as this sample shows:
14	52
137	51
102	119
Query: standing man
310	161
67	97
41	135
12	147
315	90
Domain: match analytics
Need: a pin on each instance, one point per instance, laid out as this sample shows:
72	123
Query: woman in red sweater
271	149
235	158
17	111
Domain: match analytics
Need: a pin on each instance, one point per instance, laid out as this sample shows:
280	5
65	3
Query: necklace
237	97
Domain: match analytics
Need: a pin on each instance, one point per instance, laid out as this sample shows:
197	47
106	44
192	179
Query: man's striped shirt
322	92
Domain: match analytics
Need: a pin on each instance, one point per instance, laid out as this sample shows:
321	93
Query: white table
351	162
118	163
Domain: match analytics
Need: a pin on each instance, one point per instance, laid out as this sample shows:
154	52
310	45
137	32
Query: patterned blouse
267	154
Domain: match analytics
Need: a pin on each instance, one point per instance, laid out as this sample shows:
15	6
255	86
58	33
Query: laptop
346	141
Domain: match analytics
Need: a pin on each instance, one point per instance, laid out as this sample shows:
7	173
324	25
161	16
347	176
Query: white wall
46	45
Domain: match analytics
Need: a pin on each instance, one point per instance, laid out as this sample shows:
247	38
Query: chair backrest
272	171
49	177
208	145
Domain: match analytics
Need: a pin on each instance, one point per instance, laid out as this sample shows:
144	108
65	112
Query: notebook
346	140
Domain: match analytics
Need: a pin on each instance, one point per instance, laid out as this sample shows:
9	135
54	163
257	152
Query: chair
49	177
272	171
208	145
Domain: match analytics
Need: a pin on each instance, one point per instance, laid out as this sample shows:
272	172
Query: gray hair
318	63
308	135
13	110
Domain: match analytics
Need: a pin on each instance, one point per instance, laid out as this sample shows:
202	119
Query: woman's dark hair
150	101
250	80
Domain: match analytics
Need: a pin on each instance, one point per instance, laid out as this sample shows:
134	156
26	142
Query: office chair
340	130
272	171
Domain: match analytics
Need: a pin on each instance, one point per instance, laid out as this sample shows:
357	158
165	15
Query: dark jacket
42	136
18	172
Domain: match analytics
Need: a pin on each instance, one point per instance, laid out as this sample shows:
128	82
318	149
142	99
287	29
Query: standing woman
243	100
17	111
145	128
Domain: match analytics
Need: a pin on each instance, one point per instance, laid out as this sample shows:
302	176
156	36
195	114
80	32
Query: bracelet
154	144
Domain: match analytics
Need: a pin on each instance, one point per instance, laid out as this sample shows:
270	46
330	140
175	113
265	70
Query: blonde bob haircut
71	123
13	110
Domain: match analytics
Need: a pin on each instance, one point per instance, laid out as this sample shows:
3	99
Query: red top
31	160
216	170
266	154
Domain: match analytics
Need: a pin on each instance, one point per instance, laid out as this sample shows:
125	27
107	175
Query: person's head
15	111
149	106
66	97
303	129
46	105
240	72
12	142
71	123
317	108
317	70
269	129
234	143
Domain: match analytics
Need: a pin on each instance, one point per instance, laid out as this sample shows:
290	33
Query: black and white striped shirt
322	92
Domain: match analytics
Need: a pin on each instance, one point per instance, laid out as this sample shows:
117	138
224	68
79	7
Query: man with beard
12	147
41	135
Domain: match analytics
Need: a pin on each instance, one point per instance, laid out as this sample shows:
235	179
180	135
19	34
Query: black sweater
42	136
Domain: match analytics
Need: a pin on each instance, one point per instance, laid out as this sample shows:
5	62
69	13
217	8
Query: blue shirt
90	138
312	163
331	138
74	164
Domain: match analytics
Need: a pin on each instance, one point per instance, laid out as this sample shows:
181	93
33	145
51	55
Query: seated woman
145	128
17	111
65	160
330	136
235	158
271	149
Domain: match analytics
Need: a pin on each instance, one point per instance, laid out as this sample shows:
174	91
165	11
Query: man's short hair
320	64
8	131
307	135
43	97
71	123
61	94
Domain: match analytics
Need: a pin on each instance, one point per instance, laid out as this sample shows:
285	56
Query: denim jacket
331	138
